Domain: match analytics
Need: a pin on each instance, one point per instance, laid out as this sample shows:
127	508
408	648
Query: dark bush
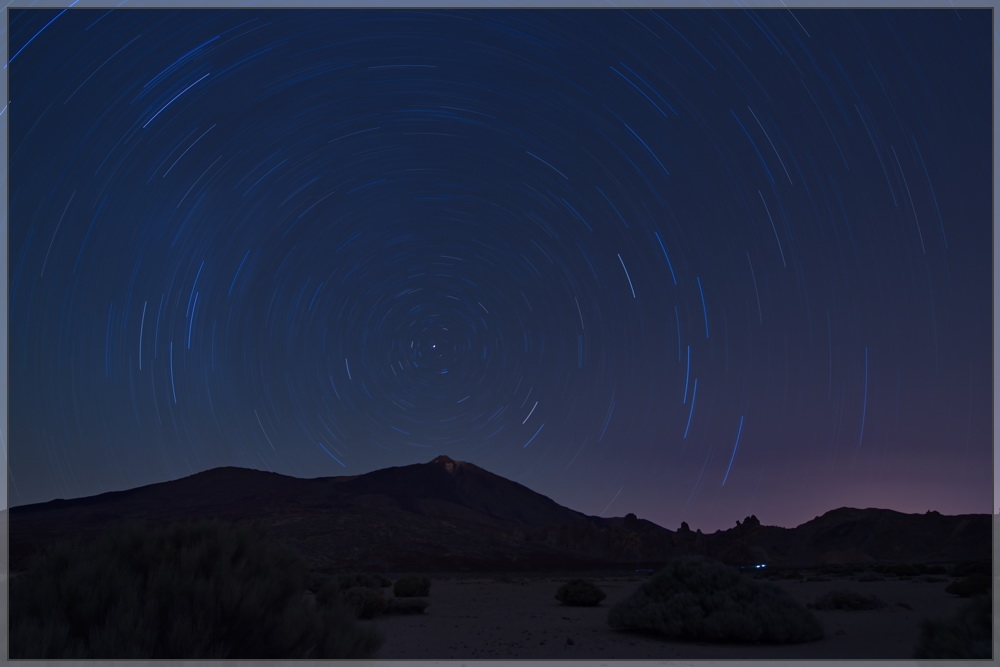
316	582
406	606
694	598
974	584
412	587
580	593
846	600
966	568
966	635
365	602
203	590
363	581
329	594
867	578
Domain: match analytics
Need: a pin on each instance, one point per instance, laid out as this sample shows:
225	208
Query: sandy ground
518	617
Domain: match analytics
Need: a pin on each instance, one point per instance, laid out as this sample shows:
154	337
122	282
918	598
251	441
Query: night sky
692	264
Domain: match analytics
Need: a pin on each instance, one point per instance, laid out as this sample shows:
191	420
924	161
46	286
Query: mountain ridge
454	515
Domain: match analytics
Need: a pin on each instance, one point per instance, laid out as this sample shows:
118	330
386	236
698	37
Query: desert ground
517	616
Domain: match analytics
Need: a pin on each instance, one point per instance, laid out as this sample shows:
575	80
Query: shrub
316	582
974	584
363	581
966	568
847	600
580	593
329	594
198	590
966	635
412	587
694	598
365	602
870	577
406	606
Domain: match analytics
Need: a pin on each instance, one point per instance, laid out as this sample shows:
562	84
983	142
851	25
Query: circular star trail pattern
685	263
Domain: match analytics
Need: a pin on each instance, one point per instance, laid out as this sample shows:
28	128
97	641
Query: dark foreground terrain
517	617
235	563
211	590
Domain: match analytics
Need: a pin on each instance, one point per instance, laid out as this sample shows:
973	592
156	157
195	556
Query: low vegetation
580	593
412	587
362	580
694	598
847	601
907	569
974	584
966	568
202	590
365	602
967	635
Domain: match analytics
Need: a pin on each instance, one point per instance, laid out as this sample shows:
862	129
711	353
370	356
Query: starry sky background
692	264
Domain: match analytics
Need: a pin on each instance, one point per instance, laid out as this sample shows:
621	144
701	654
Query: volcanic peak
445	461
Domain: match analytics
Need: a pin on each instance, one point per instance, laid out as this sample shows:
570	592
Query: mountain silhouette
448	515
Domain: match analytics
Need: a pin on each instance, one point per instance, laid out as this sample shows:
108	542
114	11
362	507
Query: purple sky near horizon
691	264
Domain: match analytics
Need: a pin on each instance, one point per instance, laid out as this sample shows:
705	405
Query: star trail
591	250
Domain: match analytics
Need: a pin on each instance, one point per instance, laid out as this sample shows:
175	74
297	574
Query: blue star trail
735	447
326	241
